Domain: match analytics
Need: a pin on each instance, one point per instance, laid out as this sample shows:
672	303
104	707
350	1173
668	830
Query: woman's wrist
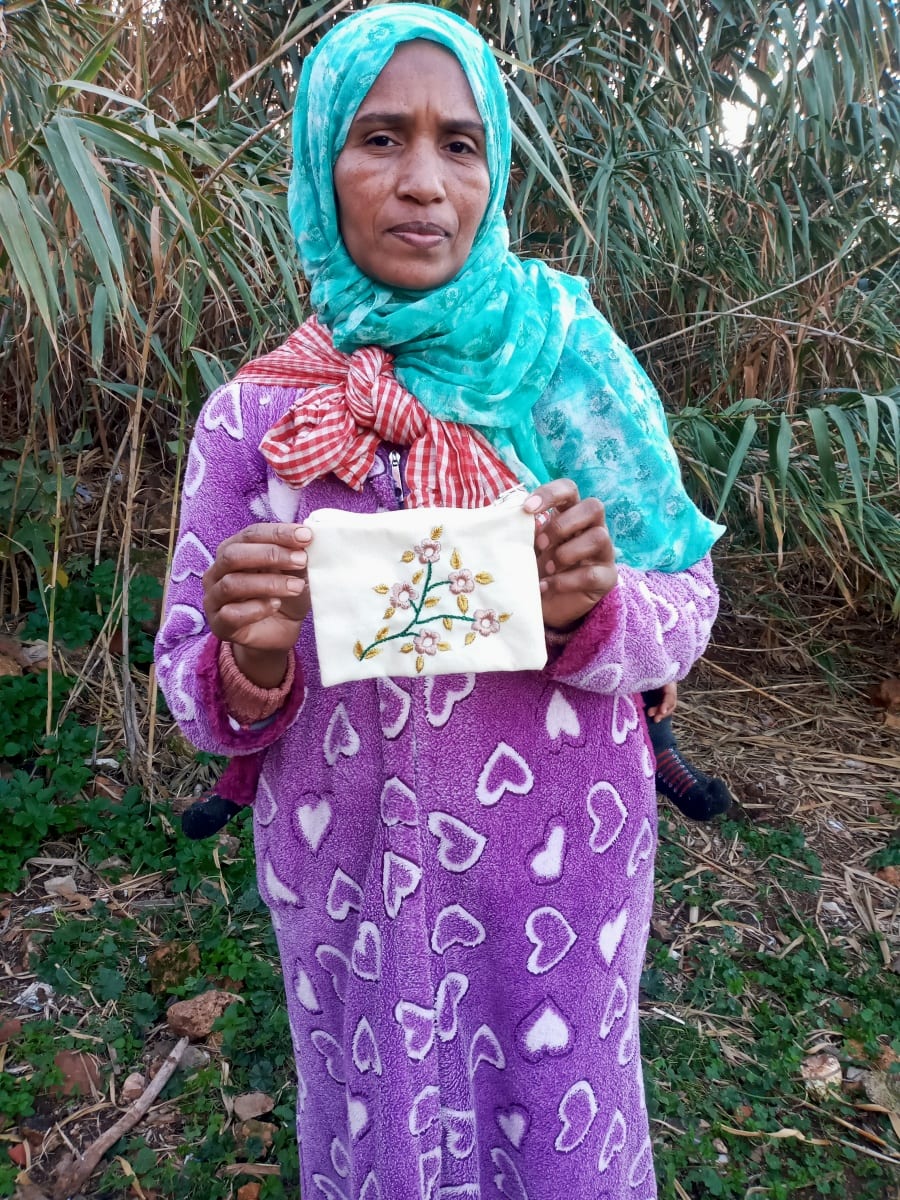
264	668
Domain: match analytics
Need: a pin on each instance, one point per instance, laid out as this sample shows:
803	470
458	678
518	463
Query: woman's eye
379	139
460	148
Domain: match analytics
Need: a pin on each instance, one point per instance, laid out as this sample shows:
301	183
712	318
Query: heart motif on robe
616	1007
417	1024
304	991
641	850
224	412
341	739
460	846
357	1116
264	809
340	1159
366	955
610	935
430	1173
399	879
183	622
465	1191
624	718
365	1051
505	771
181	703
194	472
278	892
393	707
335	964
398	804
450	993
546	863
459	1131
648	767
371	1188
642	1165
484	1048
552	937
508	1181
343	895
614	1140
456	927
313	820
545	1032
608	815
332	1053
328	1188
191	557
666	614
577	1111
628	1040
561	718
442	694
514	1122
426	1109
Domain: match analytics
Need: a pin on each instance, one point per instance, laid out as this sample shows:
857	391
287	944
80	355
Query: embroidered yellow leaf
408	556
420	663
470	638
381	633
444	646
431	602
484	577
388	613
462	604
382	589
418	576
505	616
436	532
448	624
406	648
455	560
371	653
358	650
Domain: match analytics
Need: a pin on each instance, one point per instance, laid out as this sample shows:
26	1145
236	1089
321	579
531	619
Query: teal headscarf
511	347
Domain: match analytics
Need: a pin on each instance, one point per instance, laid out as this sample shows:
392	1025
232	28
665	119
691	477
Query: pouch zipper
396	477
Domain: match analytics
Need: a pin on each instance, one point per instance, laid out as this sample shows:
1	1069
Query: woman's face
412	179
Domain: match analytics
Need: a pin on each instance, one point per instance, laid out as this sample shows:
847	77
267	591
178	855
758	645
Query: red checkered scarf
351	403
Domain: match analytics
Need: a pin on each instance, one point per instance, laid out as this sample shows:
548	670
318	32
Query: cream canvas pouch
425	591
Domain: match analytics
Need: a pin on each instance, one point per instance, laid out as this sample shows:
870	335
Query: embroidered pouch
425	591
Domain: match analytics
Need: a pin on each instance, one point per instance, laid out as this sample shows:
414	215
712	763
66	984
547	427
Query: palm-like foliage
145	249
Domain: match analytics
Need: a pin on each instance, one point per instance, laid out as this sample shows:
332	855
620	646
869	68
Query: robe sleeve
225	486
649	630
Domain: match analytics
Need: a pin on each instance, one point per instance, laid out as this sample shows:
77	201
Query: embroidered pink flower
461	581
428	550
403	595
485	621
426	643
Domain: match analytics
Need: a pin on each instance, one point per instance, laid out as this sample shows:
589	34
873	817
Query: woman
459	869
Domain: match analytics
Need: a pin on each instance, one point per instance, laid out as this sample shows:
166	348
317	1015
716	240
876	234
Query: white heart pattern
340	737
329	1188
608	815
264	809
417	1024
284	500
459	1131
183	621
450	993
613	1142
442	694
394	705
561	718
552	937
399	879
365	1050
577	1111
508	1181
334	963
460	846
429	1173
366	955
546	862
484	1048
340	1159
546	1031
398	804
358	1120
628	1041
514	1123
304	990
371	1188
194	471
641	850
610	935
624	718
278	892
642	1165
666	614
314	820
505	771
191	557
181	702
343	895
224	411
456	927
616	1007
332	1053
426	1109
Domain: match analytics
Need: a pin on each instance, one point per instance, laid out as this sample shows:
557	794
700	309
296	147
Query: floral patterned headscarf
489	347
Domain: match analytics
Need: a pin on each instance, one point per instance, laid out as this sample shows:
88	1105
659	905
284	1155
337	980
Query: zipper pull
396	477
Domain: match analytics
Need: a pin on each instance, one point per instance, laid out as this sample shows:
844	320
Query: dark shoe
207	816
700	797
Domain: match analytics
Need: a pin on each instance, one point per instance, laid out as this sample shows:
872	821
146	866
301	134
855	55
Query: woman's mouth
420	234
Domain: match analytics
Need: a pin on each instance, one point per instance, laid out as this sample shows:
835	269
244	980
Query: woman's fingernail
276	603
294	585
542	541
301	533
532	504
298	558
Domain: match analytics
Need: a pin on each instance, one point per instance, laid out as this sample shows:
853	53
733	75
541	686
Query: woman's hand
256	595
574	552
666	705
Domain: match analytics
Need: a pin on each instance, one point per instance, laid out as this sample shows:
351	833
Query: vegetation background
725	173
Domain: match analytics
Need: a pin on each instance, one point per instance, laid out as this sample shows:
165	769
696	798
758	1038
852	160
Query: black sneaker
700	797
207	816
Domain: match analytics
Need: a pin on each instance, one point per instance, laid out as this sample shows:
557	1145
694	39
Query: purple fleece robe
459	870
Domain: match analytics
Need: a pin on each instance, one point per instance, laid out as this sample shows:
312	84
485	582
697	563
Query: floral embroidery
421	597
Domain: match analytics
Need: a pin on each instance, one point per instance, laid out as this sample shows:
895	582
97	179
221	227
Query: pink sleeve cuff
246	702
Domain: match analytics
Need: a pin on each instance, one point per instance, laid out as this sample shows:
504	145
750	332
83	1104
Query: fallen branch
79	1172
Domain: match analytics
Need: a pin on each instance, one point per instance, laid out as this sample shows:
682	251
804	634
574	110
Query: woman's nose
421	176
